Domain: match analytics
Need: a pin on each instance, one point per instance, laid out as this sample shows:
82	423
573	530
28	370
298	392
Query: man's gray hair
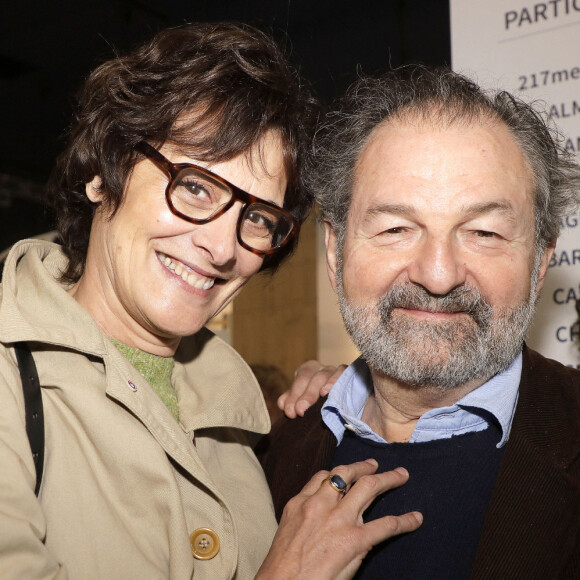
441	96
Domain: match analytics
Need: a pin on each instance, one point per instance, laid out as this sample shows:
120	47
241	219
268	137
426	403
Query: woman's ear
93	189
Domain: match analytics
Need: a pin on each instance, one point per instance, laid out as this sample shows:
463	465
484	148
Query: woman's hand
322	534
312	380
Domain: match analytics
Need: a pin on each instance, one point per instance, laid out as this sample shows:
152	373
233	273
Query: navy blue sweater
450	484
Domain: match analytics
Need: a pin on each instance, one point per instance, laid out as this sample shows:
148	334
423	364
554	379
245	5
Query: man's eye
485	234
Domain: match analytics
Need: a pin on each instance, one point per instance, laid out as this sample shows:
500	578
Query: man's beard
478	344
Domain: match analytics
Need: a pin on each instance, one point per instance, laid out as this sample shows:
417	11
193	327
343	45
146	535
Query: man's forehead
421	171
436	122
404	145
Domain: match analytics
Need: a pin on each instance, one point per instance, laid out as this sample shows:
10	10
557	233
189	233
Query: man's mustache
410	296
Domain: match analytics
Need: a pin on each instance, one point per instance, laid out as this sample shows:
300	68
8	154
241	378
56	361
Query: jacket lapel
530	530
302	447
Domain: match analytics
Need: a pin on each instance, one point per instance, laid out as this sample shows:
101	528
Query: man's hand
312	380
322	534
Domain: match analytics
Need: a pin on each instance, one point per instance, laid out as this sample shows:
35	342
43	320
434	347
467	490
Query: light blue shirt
498	396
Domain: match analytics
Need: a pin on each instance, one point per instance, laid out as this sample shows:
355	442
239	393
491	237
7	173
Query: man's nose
438	267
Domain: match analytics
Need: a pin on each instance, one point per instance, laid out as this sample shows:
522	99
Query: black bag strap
33	407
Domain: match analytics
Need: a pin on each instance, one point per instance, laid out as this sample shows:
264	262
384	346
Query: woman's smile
192	278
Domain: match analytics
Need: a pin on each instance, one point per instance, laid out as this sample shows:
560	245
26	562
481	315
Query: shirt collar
498	396
345	404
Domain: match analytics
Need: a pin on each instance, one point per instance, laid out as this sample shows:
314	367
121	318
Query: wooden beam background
274	317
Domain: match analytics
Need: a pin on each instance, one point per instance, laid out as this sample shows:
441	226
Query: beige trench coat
124	486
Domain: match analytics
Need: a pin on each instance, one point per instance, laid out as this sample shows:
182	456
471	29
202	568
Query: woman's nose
219	238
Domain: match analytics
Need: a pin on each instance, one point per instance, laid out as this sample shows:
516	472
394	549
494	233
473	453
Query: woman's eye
259	220
196	189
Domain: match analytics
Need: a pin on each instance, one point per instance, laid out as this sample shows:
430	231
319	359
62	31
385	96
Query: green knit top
156	370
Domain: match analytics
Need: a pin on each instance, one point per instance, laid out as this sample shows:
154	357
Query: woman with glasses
181	180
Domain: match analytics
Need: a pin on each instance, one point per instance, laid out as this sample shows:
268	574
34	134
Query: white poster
533	50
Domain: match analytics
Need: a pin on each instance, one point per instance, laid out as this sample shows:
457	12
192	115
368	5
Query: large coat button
205	543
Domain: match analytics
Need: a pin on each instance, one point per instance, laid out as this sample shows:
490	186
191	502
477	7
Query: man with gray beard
441	205
484	345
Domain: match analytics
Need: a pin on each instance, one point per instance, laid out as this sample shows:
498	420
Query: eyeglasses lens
198	196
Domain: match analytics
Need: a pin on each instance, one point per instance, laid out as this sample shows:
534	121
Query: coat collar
35	307
215	387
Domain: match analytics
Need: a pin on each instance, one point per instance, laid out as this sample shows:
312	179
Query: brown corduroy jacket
532	523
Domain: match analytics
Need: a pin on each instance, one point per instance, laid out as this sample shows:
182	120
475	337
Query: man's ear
93	189
544	263
331	259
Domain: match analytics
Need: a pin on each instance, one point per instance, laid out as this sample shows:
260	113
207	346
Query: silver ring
337	483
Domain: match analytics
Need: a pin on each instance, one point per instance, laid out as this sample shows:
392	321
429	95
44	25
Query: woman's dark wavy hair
214	90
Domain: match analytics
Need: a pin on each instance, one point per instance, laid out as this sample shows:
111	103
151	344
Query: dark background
48	48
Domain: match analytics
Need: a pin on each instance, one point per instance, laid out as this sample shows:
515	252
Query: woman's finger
312	380
321	521
386	527
302	378
349	473
325	389
368	487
